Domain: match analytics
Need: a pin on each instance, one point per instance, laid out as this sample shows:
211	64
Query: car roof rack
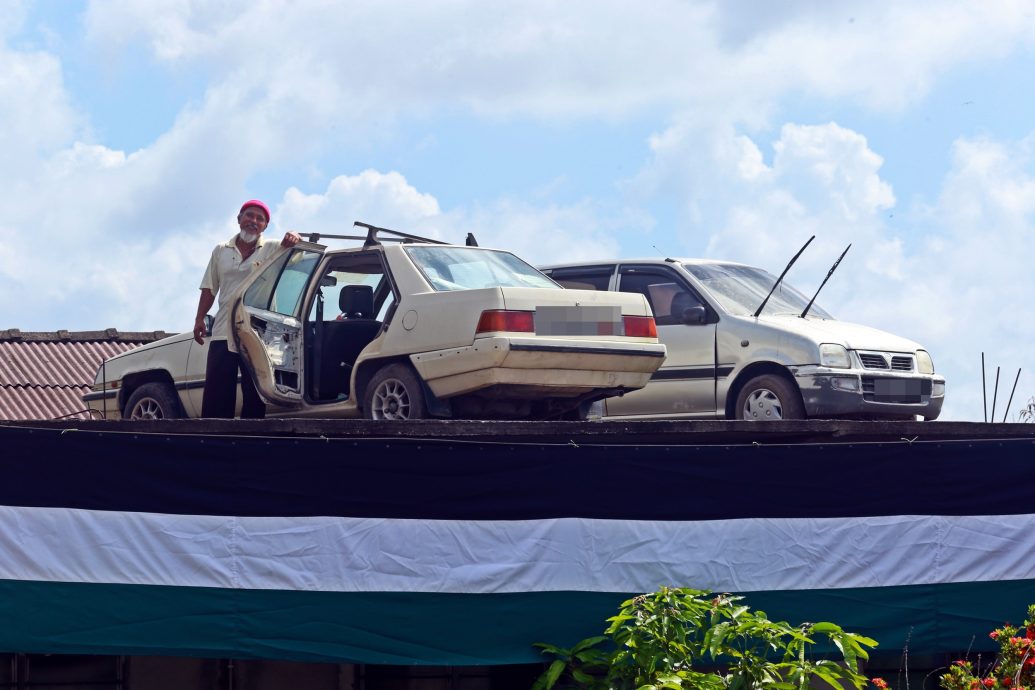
376	235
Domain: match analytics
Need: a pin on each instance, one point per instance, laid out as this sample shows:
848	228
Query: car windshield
740	289
470	268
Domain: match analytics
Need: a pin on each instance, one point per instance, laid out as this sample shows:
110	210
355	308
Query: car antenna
829	273
667	259
762	305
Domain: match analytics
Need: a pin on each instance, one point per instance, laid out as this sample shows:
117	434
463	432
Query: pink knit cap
258	204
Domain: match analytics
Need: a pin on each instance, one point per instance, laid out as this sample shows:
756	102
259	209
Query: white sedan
403	328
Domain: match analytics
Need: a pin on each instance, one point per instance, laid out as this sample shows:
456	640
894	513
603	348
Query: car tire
769	398
153	401
395	393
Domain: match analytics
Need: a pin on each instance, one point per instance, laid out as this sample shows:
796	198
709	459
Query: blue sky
133	129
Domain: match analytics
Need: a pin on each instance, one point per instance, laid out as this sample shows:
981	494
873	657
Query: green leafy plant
1013	669
684	638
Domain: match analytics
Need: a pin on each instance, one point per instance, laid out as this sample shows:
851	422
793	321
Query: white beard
248	237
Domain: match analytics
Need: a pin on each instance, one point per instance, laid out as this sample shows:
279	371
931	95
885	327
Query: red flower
880	683
994	634
989	681
1030	633
1006	682
960	662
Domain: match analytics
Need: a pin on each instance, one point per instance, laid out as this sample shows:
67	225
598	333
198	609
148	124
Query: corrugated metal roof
44	375
36	402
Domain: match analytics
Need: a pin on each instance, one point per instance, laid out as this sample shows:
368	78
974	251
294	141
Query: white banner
382	555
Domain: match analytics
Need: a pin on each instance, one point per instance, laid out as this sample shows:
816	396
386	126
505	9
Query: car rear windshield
471	268
740	289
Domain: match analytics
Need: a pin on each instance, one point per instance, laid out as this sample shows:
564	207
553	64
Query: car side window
668	297
583	278
281	285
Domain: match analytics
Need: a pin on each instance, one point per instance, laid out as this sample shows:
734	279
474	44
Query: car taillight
506	320
640	326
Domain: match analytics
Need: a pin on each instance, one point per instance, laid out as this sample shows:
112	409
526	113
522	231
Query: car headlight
834	355
924	363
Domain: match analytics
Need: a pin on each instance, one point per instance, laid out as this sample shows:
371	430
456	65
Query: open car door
267	324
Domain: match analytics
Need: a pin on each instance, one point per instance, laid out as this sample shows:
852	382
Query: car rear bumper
538	367
848	393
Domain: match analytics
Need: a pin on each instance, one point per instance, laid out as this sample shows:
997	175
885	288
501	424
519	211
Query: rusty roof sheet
44	375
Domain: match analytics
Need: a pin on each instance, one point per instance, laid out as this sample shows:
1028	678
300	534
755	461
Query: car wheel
153	401
769	398
395	393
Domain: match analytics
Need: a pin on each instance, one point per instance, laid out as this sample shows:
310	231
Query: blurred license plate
591	320
901	390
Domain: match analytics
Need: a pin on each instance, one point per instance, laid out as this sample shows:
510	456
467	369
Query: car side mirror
209	320
694	316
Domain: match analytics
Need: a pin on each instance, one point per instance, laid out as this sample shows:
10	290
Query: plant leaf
553	673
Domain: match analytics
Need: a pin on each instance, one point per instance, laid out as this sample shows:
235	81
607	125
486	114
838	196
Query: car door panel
271	345
684	386
267	327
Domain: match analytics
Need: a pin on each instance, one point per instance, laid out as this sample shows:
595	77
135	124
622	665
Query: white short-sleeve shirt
227	271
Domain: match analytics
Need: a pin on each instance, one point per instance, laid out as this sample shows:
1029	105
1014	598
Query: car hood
153	346
852	335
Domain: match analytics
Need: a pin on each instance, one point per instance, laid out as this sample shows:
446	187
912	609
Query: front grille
872	360
881	360
902	363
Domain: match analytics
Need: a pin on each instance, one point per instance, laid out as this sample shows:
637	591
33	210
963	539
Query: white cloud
981	267
832	163
386	200
12	16
823	180
82	156
36	117
571	59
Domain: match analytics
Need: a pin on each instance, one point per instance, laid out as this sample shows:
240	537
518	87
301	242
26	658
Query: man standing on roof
231	264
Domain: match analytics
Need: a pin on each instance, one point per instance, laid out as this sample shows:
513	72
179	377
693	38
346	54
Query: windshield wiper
762	305
829	273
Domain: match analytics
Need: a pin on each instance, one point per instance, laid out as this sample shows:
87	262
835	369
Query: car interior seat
344	339
356	302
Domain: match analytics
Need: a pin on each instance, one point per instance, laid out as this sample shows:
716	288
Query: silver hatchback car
726	362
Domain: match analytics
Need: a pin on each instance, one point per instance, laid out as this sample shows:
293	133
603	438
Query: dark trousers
221	386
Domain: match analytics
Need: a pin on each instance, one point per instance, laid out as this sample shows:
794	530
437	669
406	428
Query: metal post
984	394
1012	391
995	393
